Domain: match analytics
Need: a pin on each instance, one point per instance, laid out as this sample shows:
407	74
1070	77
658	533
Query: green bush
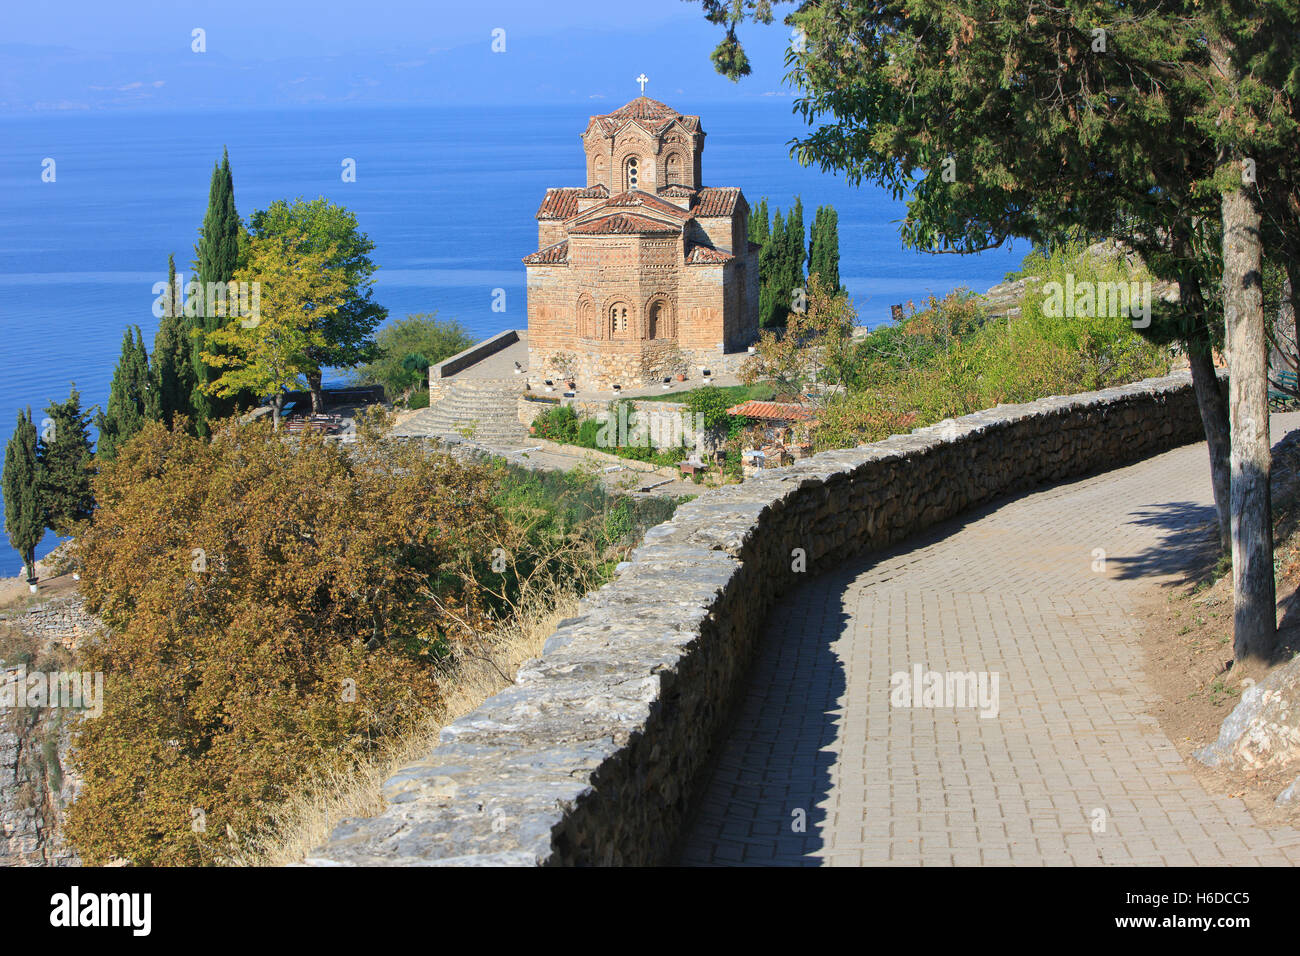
949	360
558	424
406	347
588	430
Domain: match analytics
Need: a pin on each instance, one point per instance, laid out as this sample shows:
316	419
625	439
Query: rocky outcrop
35	786
37	782
1263	730
594	756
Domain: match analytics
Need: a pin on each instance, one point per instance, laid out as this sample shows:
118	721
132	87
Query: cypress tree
792	259
758	228
773	304
20	483
794	236
128	397
172	379
217	258
824	247
65	460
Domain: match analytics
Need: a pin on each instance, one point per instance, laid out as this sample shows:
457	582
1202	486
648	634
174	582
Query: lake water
446	194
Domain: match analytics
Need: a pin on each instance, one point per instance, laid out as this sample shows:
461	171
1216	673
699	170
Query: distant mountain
566	67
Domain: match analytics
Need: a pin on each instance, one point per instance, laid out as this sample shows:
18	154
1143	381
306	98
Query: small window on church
631	172
673	169
618	319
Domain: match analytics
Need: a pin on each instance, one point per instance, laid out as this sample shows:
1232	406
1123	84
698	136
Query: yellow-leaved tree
270	351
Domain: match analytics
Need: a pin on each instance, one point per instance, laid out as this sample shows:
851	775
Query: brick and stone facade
644	269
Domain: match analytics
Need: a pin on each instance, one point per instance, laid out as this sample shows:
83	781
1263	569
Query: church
644	271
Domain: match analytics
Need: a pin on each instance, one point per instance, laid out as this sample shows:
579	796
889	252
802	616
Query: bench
1283	388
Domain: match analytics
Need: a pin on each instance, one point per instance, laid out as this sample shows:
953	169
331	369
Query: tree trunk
277	406
1209	398
1214	419
29	561
1255	612
1284	356
317	396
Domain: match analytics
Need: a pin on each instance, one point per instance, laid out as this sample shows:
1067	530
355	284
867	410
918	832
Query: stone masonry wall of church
626	271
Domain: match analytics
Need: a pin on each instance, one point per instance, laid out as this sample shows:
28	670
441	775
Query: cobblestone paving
1011	589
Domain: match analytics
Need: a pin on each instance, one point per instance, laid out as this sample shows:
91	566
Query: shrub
275	610
949	359
588	431
422	335
557	424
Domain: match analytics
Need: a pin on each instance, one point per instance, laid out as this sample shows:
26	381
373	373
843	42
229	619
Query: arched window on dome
631	172
673	169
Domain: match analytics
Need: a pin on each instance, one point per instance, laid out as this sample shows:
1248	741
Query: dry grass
304	822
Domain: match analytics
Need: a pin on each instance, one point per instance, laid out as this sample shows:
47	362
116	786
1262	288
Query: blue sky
136	54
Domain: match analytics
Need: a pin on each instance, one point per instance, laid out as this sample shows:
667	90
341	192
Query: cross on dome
643	80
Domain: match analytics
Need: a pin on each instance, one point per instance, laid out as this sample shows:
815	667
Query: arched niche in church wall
660	323
587	325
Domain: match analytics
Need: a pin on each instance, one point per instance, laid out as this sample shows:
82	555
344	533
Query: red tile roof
774	411
646	113
560	203
621	223
704	255
676	189
555	252
717	201
635	197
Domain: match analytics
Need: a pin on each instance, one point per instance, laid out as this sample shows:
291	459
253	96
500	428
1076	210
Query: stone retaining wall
595	754
62	619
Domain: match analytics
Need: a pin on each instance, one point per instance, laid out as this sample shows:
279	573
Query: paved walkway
1011	589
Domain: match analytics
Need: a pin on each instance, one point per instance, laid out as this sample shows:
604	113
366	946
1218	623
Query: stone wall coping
473	355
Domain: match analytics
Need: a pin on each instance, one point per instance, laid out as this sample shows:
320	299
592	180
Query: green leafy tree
418	334
128	396
795	251
347	328
780	262
815	347
218	256
66	462
1149	121
21	484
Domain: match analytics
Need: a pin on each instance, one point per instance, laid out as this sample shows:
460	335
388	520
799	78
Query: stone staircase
489	406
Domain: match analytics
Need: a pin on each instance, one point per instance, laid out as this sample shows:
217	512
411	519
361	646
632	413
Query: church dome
649	114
